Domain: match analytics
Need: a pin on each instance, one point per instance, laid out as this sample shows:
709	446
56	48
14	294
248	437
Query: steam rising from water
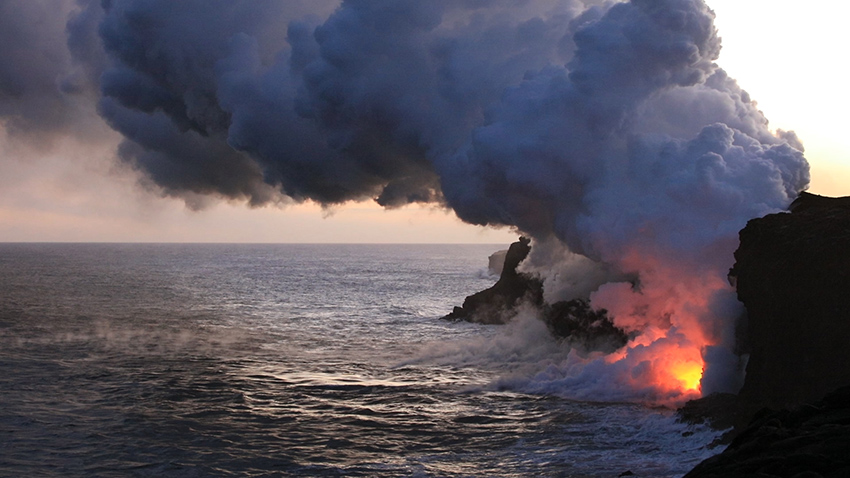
600	128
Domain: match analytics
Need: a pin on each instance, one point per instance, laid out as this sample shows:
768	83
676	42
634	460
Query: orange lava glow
669	369
688	374
668	313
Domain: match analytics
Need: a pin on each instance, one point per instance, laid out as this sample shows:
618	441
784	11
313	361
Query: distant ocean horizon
284	359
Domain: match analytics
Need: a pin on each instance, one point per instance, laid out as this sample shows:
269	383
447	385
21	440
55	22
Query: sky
71	189
783	53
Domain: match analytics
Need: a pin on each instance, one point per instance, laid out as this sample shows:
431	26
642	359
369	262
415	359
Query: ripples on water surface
289	360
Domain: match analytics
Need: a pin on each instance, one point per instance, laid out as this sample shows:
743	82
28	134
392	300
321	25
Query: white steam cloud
603	126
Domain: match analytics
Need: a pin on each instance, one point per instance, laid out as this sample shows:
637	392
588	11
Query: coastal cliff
792	273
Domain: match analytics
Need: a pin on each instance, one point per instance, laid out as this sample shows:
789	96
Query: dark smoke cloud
604	125
508	112
379	90
330	102
40	93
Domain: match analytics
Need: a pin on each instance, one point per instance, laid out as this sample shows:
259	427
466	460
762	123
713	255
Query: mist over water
217	360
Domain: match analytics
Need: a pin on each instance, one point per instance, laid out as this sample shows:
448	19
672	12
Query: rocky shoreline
811	441
574	320
792	273
791	418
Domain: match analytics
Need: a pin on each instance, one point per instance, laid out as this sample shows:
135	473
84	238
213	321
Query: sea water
292	360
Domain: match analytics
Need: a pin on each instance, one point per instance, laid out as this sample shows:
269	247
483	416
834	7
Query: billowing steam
600	128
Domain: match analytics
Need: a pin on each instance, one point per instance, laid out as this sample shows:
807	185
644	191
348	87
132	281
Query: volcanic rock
586	329
721	411
497	304
811	441
792	273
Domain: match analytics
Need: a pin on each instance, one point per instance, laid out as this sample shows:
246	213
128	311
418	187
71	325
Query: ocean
196	360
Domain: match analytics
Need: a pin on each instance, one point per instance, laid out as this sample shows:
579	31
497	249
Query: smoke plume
602	128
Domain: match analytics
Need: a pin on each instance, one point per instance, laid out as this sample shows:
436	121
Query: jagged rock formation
810	442
792	272
497	304
587	329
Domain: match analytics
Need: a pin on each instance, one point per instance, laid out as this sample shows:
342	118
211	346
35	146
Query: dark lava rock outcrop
792	272
586	328
810	442
497	304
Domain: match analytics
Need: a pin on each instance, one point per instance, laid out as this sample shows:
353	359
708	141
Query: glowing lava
688	374
669	312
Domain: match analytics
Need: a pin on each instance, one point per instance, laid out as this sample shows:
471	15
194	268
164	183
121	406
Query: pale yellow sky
77	193
787	55
790	57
